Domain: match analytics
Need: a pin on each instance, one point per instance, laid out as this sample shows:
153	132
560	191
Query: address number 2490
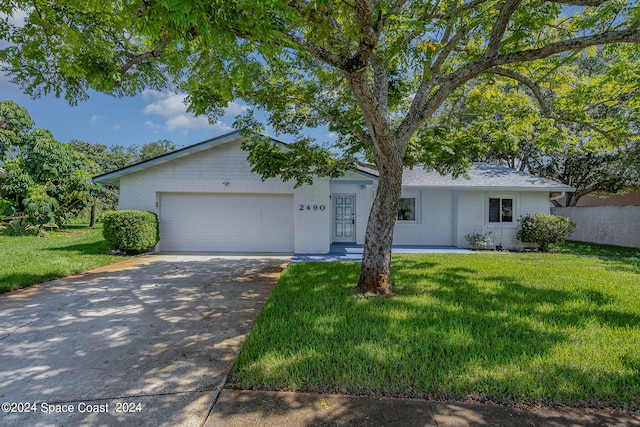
311	207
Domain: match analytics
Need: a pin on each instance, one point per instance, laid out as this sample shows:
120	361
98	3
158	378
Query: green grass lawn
559	328
27	260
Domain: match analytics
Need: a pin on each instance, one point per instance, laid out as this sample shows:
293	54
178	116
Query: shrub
479	240
544	229
7	207
19	227
131	231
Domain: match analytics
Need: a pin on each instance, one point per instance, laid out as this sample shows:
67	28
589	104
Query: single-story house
208	199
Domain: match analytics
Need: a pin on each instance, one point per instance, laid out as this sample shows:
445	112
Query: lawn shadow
95	248
617	258
448	333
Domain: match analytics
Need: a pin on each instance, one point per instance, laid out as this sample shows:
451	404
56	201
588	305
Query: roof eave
491	188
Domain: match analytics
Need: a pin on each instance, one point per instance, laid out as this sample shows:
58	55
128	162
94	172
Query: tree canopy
378	73
591	142
49	182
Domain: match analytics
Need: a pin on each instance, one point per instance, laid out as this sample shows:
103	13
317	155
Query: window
500	210
407	209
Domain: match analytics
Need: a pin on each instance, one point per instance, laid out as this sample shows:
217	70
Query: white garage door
226	222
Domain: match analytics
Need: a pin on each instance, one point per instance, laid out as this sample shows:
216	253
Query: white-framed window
501	210
407	209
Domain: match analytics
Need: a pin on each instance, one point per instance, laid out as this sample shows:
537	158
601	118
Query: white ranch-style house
208	199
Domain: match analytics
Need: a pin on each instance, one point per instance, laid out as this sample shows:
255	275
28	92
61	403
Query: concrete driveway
145	342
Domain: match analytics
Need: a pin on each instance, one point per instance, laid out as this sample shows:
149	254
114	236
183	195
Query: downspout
554	199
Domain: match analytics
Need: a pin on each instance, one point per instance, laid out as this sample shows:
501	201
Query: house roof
3	173
482	176
113	177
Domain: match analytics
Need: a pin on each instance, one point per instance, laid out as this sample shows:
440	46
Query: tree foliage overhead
377	72
591	143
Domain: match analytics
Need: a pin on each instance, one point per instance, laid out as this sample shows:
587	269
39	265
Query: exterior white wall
208	171
434	219
470	212
473	215
312	215
203	172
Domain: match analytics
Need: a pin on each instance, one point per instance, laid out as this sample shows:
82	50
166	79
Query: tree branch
141	57
607	134
424	105
535	88
579	2
449	47
500	26
323	112
629	35
546	106
318	52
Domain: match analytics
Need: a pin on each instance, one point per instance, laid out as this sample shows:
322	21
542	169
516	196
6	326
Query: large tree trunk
375	275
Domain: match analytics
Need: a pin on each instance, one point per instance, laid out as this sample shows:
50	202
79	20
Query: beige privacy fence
609	225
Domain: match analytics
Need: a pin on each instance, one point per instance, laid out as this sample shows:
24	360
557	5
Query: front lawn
559	328
27	260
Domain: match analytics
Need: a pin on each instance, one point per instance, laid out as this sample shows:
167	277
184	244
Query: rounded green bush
545	229
131	231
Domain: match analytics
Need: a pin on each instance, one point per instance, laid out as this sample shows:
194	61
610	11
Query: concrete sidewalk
353	252
278	409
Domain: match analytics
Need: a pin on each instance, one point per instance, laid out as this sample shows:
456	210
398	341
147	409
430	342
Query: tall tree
108	157
590	143
375	71
48	180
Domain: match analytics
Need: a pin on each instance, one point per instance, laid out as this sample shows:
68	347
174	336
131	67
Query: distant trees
581	128
49	182
113	157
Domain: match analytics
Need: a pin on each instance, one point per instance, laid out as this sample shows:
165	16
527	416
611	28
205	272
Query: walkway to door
353	252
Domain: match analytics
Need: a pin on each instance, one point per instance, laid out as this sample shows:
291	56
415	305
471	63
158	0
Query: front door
344	218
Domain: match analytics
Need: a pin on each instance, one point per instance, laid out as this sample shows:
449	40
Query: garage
226	222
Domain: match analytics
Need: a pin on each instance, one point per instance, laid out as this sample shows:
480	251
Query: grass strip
27	260
558	328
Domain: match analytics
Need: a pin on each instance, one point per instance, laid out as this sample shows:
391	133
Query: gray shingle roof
482	176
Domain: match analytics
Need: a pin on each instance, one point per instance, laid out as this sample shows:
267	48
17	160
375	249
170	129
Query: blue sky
147	117
102	119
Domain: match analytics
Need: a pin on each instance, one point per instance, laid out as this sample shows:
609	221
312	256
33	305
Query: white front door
344	218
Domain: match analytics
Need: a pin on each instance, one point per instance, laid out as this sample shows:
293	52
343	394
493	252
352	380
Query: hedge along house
208	199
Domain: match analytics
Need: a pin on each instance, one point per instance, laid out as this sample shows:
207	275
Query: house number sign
311	207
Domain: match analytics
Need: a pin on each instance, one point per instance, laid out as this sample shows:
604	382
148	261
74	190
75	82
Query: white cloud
95	119
171	110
